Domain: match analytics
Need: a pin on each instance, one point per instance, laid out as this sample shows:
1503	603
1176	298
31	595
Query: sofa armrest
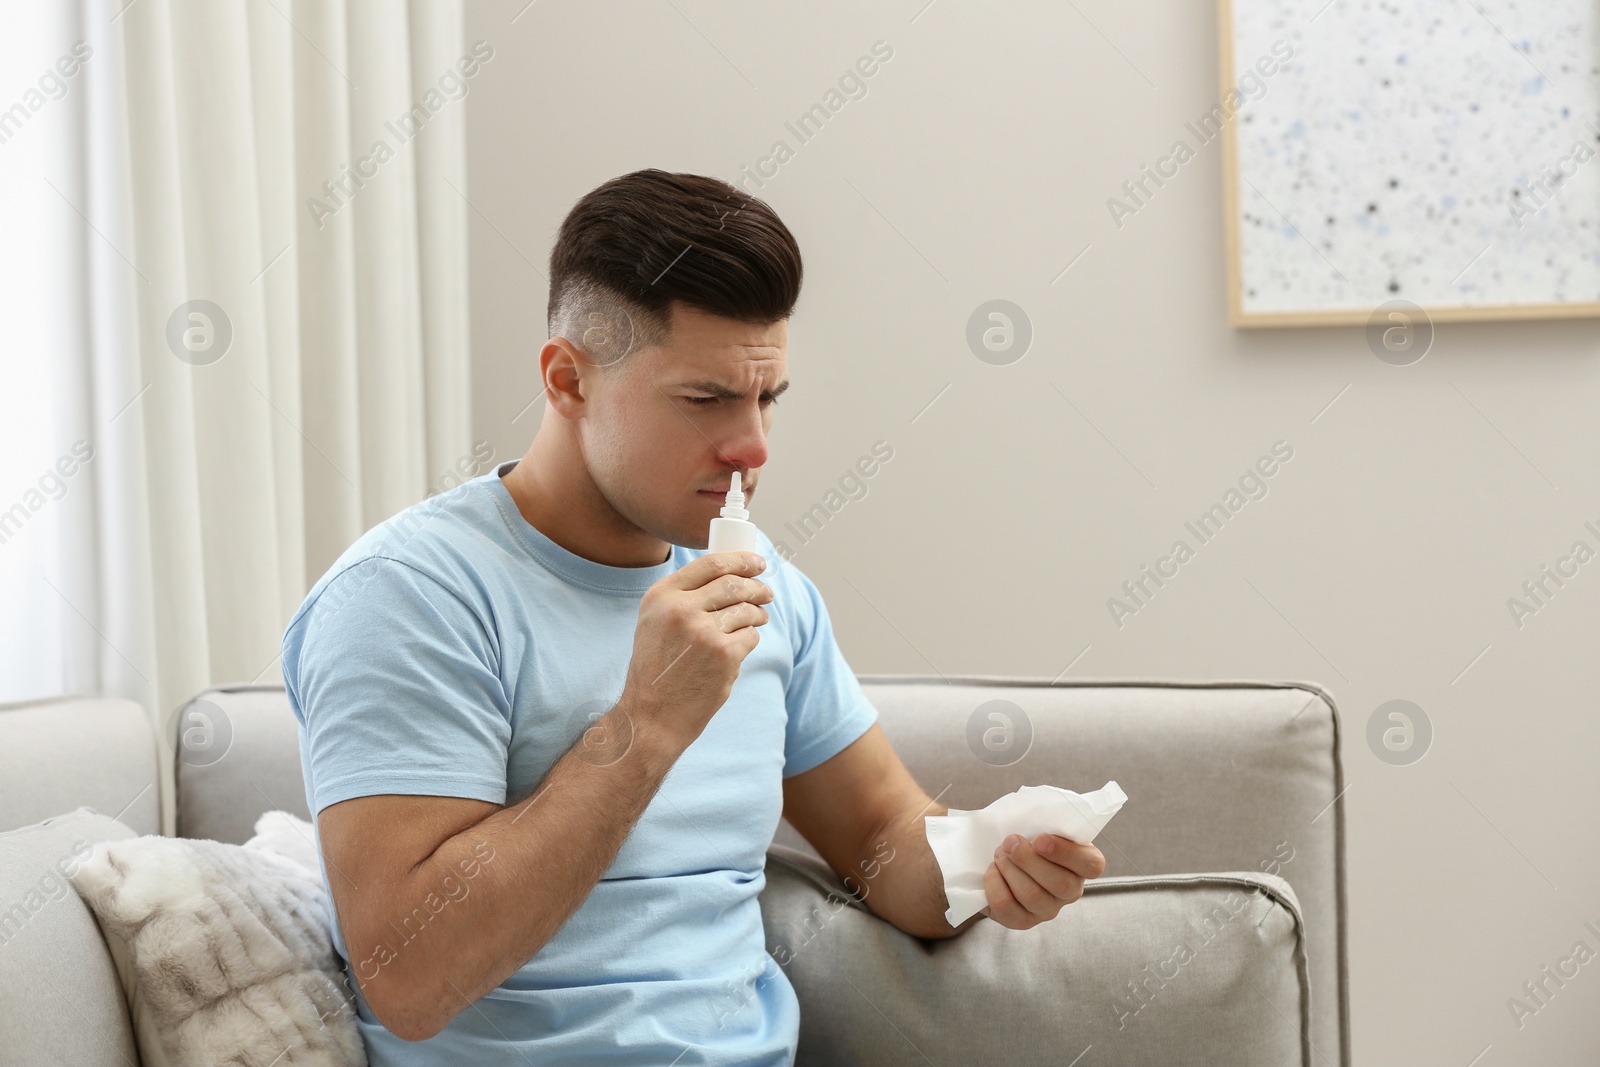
1194	968
68	752
62	999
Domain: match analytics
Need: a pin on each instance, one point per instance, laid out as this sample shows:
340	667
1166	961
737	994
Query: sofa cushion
224	949
1200	968
62	999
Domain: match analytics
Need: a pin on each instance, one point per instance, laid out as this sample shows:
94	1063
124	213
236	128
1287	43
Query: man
548	738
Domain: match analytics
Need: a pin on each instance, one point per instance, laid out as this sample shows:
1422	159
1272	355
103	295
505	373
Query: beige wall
977	167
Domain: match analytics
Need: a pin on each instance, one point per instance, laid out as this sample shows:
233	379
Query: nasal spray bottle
733	531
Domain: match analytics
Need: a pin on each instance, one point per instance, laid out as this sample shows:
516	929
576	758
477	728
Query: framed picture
1422	155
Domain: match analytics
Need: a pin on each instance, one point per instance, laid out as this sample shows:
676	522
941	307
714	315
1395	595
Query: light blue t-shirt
455	650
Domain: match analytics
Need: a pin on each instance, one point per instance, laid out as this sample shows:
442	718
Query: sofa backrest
251	766
1221	776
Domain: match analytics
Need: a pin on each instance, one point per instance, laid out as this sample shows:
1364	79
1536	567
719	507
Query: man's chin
691	535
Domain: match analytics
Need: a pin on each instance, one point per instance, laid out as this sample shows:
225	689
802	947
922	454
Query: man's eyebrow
717	389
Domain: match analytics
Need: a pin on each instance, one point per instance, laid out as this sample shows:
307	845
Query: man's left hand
1032	882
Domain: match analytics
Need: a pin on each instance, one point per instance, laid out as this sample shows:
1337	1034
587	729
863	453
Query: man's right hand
695	628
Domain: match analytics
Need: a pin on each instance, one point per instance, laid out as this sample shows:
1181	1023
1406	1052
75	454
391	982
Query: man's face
667	427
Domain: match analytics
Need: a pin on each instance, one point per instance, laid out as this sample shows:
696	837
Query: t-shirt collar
564	563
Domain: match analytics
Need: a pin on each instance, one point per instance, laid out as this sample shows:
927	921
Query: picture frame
1510	232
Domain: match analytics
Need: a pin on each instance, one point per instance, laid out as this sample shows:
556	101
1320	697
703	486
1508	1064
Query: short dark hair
631	247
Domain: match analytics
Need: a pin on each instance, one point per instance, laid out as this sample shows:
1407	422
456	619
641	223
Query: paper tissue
964	841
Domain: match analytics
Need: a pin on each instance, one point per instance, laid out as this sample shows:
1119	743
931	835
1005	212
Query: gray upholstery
60	998
220	798
1130	971
74	752
1221	777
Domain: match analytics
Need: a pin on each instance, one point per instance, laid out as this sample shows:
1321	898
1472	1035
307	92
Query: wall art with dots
1440	152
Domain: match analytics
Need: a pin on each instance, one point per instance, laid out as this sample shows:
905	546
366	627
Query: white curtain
186	162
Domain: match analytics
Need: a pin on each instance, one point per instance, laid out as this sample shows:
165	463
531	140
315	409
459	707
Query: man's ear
568	377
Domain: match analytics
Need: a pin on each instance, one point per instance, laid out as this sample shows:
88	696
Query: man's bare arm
509	876
864	813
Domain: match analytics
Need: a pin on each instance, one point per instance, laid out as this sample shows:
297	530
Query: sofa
1217	934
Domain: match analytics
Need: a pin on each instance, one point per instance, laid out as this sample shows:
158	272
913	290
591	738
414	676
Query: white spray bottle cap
733	504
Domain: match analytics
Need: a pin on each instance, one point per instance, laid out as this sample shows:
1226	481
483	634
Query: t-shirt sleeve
827	709
394	680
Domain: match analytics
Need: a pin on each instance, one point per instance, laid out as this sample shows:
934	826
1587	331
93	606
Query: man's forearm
548	852
901	878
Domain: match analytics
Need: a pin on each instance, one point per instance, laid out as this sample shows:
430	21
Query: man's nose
747	447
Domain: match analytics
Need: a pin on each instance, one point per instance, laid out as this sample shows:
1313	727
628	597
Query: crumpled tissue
964	841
